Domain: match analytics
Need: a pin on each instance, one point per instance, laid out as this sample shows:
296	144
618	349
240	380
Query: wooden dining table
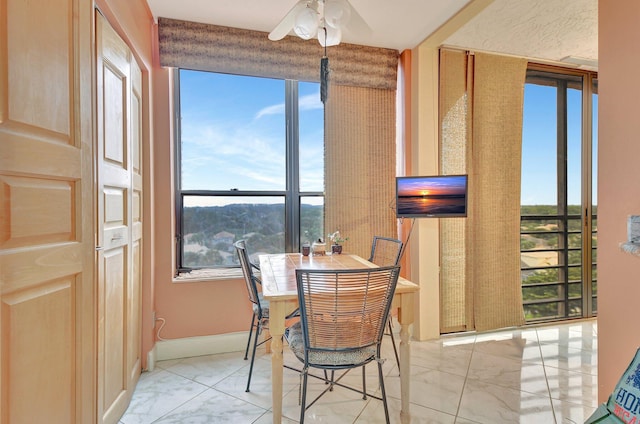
278	274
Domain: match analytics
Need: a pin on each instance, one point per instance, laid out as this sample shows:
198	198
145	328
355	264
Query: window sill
210	274
631	248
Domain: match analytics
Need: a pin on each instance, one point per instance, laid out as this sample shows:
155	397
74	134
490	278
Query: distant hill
210	231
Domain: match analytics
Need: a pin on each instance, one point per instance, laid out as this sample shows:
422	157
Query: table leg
405	318
267	346
276	328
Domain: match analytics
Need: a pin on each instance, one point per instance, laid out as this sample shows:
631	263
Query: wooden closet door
47	319
119	222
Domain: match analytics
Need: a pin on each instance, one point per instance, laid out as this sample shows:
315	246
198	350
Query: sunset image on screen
443	195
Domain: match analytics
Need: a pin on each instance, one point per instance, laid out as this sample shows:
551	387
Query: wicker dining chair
260	318
343	314
386	251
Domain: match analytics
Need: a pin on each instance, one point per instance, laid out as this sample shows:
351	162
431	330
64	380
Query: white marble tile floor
543	374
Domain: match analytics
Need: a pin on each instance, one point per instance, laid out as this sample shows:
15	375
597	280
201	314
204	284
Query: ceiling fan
326	19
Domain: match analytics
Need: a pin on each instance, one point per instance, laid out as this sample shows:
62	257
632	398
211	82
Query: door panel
115	270
39	42
47	337
134	334
51	200
119	222
29	376
135	288
114	87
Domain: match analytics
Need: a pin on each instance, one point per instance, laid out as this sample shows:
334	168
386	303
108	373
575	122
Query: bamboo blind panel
496	150
360	149
204	47
454	142
481	99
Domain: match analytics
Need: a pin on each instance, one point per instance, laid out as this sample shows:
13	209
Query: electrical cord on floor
160	328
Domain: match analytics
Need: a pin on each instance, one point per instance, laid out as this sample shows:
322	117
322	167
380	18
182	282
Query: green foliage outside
210	231
541	243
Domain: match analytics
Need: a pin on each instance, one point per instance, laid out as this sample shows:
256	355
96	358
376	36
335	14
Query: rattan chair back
344	311
250	279
385	251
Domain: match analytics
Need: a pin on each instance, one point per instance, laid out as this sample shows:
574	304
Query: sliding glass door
558	200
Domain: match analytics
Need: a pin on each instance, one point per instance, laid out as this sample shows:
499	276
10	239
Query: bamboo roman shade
204	47
481	135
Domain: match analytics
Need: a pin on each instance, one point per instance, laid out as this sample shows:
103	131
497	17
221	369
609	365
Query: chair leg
253	320
253	354
395	348
303	402
364	383
383	392
329	381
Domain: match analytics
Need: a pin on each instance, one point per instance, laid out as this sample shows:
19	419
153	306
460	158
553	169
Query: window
249	165
559	204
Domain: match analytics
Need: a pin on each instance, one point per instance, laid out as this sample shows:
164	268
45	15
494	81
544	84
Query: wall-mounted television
437	196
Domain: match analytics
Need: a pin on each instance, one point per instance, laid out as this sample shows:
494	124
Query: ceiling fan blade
286	24
356	24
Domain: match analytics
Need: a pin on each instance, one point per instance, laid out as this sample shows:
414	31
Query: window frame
564	79
292	194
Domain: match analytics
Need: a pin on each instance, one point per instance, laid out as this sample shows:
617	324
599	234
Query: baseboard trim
198	346
151	359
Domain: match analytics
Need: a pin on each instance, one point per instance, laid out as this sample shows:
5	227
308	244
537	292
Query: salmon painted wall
198	308
618	188
195	308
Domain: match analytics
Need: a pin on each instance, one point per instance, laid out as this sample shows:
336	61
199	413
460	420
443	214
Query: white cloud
307	102
271	110
310	102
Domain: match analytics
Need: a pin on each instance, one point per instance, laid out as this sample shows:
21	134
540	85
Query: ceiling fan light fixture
306	24
308	17
332	37
337	13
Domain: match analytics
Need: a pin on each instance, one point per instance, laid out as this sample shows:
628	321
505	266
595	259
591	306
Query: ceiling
561	31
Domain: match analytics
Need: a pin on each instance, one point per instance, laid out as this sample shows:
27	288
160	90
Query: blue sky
539	164
224	122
